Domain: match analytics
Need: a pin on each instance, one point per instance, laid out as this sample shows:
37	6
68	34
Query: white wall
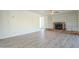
70	18
46	21
0	23
78	20
72	21
49	23
18	22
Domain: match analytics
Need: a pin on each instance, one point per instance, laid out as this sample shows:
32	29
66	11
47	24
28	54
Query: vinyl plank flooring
42	39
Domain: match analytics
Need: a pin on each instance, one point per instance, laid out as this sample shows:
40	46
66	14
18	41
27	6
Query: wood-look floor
42	39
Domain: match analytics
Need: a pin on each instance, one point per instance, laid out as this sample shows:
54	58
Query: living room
39	28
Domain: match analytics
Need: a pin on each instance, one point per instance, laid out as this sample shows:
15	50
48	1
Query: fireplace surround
59	25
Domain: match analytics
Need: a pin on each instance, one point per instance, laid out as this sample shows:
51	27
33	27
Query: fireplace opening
59	26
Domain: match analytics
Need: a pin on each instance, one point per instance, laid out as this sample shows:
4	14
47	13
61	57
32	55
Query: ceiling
47	12
42	12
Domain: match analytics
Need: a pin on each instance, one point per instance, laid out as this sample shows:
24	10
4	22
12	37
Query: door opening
42	23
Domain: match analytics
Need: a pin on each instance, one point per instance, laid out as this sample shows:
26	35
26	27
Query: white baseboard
18	34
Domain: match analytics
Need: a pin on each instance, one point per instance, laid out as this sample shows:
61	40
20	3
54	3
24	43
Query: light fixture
52	12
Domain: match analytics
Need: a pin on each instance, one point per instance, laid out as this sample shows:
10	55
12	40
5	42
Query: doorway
42	23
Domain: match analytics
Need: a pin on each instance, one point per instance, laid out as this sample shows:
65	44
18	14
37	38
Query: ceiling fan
52	12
